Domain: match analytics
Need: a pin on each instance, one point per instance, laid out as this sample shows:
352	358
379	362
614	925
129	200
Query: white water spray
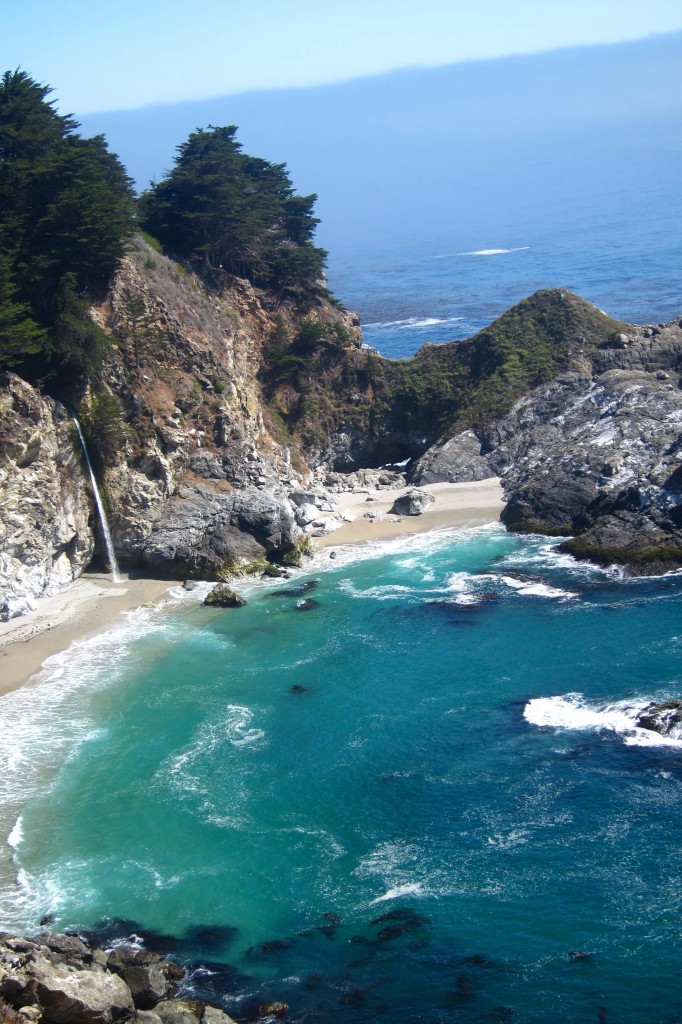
113	565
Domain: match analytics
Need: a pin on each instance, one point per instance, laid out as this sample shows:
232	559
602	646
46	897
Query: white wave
387	592
409	889
415	322
534	588
424	544
17	833
237	727
388	859
572	712
494	252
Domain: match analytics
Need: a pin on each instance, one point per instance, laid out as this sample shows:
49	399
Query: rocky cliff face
201	483
46	530
201	455
595	454
196	470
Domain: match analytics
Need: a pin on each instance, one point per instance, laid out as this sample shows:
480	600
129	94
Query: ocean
421	797
599	215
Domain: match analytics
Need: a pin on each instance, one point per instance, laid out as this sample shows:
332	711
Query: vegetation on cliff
235	212
67	217
322	385
66	208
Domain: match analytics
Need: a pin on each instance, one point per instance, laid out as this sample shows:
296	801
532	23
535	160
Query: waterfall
113	565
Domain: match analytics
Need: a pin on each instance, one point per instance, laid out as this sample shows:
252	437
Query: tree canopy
235	212
66	207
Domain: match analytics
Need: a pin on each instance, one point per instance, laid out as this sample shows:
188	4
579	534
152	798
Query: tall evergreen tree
235	212
20	336
66	207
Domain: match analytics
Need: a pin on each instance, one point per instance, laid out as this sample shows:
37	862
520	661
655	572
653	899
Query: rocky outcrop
61	979
413	503
207	533
664	718
46	530
223	596
594	455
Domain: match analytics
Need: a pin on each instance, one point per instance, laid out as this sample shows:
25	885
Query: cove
348	809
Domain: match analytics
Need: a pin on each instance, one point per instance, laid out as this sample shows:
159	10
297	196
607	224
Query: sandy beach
87	606
456	506
93	602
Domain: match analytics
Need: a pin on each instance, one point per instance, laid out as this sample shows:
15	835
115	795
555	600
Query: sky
133	53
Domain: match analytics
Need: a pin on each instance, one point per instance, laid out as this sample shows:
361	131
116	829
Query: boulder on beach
413	503
223	596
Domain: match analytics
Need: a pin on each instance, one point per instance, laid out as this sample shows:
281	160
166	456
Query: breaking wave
573	712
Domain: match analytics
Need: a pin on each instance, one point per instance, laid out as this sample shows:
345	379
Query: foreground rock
60	979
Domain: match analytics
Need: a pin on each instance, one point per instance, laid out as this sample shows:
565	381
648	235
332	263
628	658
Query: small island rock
663	718
223	596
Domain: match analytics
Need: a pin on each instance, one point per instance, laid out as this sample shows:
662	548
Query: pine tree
235	212
66	207
19	334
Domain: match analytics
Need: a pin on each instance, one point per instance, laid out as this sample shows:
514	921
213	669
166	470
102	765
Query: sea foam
573	712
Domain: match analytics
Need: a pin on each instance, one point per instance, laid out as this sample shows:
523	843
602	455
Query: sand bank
87	606
456	506
93	602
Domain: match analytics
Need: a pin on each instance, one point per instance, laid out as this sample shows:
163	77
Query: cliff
46	528
595	454
224	411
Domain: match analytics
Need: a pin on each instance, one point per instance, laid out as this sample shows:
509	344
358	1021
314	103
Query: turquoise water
452	801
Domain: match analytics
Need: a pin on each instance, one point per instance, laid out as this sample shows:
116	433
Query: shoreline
92	603
84	608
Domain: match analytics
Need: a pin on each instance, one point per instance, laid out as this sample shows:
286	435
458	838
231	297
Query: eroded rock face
595	455
204	533
46	537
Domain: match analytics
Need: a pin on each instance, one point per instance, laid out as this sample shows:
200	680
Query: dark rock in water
273	1010
307	604
662	718
414	503
210	936
299	591
502	1014
211	980
297	688
223	596
309	585
399	914
478	960
274	946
